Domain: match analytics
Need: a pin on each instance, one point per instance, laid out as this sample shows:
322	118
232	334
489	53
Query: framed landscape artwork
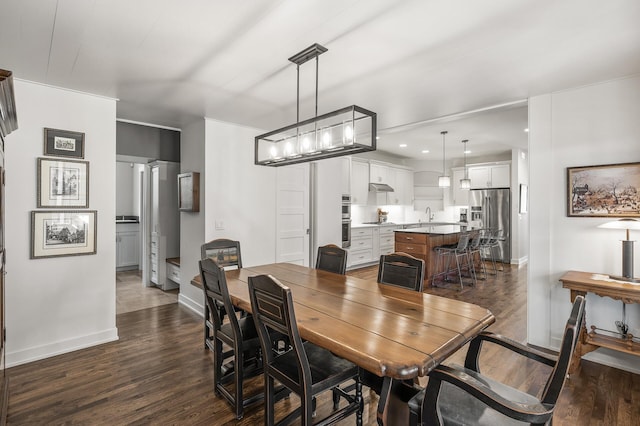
611	190
63	143
62	233
63	183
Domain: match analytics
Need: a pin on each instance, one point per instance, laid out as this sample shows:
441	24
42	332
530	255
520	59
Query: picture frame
63	233
63	183
189	192
611	190
63	143
524	198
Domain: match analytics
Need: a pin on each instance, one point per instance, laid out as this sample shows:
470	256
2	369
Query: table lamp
627	247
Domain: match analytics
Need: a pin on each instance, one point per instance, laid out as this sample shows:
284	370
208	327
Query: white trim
615	359
111	98
61	347
142	123
191	304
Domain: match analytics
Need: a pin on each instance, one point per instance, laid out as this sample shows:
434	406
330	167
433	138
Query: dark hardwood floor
159	372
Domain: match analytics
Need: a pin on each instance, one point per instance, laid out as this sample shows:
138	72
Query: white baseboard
61	347
191	304
521	261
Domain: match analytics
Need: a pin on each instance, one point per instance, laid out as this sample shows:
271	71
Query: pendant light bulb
444	181
466	182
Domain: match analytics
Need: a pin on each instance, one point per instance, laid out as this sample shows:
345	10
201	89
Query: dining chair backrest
216	293
402	270
556	380
224	252
332	258
272	307
474	243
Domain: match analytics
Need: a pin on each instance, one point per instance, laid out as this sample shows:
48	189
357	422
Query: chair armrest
471	360
530	413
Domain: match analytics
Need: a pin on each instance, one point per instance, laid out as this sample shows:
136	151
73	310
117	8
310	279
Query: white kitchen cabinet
359	181
345	165
387	239
165	221
490	176
127	246
403	186
459	197
379	173
361	250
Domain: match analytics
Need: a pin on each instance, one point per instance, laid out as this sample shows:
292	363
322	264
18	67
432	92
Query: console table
581	283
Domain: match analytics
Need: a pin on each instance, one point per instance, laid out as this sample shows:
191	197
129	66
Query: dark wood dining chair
305	369
239	334
332	258
401	269
225	253
462	395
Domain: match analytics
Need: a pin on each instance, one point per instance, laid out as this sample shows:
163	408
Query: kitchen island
420	243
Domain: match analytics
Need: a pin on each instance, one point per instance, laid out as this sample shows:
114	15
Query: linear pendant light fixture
444	181
346	131
466	182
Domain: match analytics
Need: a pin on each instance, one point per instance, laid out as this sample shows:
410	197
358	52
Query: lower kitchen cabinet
127	246
368	243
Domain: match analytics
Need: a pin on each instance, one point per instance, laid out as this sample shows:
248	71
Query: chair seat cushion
459	408
327	370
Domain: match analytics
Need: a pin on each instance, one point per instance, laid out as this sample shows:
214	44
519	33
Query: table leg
383	401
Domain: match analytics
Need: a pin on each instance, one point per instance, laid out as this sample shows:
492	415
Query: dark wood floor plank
159	373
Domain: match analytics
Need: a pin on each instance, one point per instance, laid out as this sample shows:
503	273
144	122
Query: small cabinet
379	173
359	182
387	239
403	194
127	246
490	176
361	250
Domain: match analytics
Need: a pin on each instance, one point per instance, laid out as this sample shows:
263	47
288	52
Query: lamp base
626	279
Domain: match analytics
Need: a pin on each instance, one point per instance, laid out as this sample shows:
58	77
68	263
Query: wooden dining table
392	332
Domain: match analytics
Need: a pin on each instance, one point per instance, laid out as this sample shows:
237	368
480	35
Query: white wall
592	125
192	234
239	195
124	188
57	305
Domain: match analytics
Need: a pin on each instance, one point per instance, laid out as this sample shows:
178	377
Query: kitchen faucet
429	216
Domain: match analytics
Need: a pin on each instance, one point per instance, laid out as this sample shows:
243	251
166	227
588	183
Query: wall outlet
219	225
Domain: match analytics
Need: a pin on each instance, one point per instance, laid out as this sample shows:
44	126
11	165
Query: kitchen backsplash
402	214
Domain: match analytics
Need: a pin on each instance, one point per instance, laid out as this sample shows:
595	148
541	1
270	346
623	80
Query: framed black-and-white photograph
63	183
62	233
611	190
63	143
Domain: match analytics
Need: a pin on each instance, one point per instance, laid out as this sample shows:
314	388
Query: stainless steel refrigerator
491	209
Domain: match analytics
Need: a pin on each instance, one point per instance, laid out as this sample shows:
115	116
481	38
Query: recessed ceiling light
425	151
377	137
526	130
403	145
467	152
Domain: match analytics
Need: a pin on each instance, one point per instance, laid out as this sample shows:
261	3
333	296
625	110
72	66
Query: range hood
380	187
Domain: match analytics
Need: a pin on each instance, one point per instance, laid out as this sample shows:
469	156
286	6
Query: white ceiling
170	61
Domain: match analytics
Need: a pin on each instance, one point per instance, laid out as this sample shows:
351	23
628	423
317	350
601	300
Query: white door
292	206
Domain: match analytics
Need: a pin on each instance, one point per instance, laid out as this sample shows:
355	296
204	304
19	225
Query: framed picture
611	190
63	143
524	198
63	183
62	233
189	192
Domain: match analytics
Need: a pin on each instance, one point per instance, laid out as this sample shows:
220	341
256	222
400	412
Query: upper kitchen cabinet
402	183
459	197
379	173
359	181
345	167
490	176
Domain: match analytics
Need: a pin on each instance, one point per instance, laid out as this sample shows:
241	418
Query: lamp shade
626	223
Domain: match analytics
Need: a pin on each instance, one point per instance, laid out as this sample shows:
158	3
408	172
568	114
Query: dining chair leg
269	400
238	374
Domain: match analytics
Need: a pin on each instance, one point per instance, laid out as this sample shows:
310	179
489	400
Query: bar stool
474	249
489	243
456	251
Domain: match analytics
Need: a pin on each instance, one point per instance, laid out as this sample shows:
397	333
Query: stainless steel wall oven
346	221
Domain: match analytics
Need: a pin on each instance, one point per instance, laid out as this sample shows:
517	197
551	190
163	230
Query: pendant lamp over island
466	182
444	181
346	131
